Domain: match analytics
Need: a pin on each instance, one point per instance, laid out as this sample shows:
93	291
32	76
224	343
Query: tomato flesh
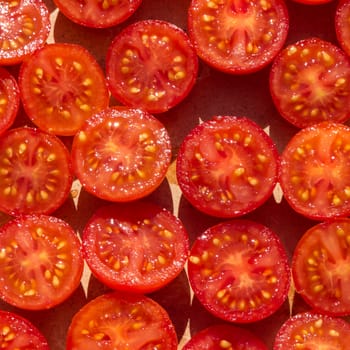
342	27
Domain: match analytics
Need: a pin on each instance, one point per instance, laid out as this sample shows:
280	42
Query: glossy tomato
310	330
121	321
310	83
40	261
227	166
239	271
314	177
151	65
98	14
320	267
238	37
16	332
61	86
342	27
35	172
24	28
121	154
138	247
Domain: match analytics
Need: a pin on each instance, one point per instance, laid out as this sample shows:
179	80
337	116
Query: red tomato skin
341	25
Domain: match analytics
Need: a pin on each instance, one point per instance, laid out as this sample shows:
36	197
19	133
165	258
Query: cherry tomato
24	28
238	37
16	332
227	166
239	271
310	83
61	86
40	261
138	247
35	172
314	171
310	330
121	321
342	27
121	154
320	267
224	336
151	65
98	14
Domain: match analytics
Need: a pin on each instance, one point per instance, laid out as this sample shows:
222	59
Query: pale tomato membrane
238	37
239	271
310	83
342	25
227	166
41	263
121	321
320	267
314	175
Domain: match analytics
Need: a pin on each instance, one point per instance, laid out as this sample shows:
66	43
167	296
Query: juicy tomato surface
219	337
314	173
9	99
320	267
61	86
342	26
41	262
312	2
121	321
151	65
227	166
238	37
239	271
310	83
35	172
121	154
24	28
18	333
98	14
138	247
313	331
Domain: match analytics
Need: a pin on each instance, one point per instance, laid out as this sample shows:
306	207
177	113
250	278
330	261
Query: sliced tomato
151	65
61	86
227	166
98	14
310	83
314	171
121	154
35	172
121	321
342	27
224	336
138	247
24	28
238	37
239	271
16	332
310	330
9	99
320	267
40	261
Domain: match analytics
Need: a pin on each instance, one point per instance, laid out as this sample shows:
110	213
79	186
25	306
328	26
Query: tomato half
24	28
315	176
121	321
342	26
309	330
227	166
40	261
35	172
320	267
310	83
238	37
239	271
219	337
138	247
98	14
61	86
9	99
151	65
121	154
16	332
